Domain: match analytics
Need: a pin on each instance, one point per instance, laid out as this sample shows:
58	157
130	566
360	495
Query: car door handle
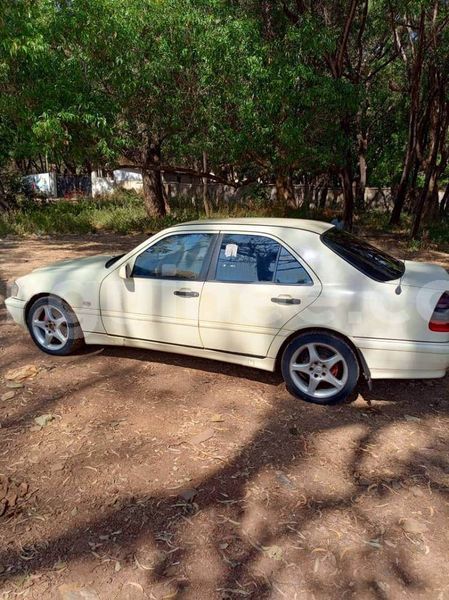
186	293
286	300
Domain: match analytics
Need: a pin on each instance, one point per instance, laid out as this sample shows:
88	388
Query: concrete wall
184	193
128	179
101	186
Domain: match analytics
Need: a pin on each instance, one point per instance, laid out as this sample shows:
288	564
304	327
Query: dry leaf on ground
21	373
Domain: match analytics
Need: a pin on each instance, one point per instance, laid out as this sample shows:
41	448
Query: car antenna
398	290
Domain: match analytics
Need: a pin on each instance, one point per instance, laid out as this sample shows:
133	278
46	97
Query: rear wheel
54	327
320	368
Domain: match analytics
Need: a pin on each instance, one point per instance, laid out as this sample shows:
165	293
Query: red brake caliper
334	370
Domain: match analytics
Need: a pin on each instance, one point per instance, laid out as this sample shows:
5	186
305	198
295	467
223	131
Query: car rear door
254	287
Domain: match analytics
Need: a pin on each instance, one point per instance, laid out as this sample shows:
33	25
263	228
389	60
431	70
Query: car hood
76	281
419	274
91	263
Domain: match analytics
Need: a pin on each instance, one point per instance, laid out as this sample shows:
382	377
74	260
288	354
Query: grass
436	233
439	233
124	213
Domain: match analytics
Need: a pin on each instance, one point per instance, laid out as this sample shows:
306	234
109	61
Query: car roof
307	224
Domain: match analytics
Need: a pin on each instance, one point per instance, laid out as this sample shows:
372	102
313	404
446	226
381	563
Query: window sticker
231	250
168	270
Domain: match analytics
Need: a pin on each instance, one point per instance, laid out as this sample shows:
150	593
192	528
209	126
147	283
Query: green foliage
121	213
439	233
95	80
256	86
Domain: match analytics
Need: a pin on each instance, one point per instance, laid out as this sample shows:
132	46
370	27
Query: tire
320	368
54	327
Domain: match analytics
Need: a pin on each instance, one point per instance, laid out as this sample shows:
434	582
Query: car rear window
366	258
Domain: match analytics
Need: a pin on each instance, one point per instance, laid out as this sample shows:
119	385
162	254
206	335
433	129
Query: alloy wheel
318	370
50	327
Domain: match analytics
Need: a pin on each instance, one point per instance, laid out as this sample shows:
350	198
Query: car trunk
424	284
427	275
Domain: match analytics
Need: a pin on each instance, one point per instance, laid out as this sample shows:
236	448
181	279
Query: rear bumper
398	359
16	309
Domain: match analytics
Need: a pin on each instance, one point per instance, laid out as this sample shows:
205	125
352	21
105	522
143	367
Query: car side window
256	258
290	272
247	258
174	257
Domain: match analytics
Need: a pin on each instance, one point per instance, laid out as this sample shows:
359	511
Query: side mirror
125	271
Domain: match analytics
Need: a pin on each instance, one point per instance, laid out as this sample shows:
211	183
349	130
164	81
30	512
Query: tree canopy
330	92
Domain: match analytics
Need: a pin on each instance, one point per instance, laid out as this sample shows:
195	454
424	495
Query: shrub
121	213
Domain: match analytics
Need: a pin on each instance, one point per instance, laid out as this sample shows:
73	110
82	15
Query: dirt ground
150	475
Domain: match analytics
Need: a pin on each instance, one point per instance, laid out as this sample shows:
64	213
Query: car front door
256	287
160	299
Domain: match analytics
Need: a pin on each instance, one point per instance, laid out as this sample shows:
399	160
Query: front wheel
320	368
54	327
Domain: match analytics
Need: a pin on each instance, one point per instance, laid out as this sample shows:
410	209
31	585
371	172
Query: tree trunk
153	193
153	187
267	19
323	197
411	195
348	197
291	196
415	73
363	169
308	192
166	195
206	203
401	192
444	205
437	133
316	194
431	173
431	210
284	191
4	204
427	193
346	174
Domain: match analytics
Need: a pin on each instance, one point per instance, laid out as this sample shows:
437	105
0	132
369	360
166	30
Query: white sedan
319	303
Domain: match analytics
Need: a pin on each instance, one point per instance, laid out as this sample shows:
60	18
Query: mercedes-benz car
321	305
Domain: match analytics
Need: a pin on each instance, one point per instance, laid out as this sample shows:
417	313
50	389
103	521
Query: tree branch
345	37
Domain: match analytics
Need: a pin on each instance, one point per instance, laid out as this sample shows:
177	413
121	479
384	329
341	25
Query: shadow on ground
305	501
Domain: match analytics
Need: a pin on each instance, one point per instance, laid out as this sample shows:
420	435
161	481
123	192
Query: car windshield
366	258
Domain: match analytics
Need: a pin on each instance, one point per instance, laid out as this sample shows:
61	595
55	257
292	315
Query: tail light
440	317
